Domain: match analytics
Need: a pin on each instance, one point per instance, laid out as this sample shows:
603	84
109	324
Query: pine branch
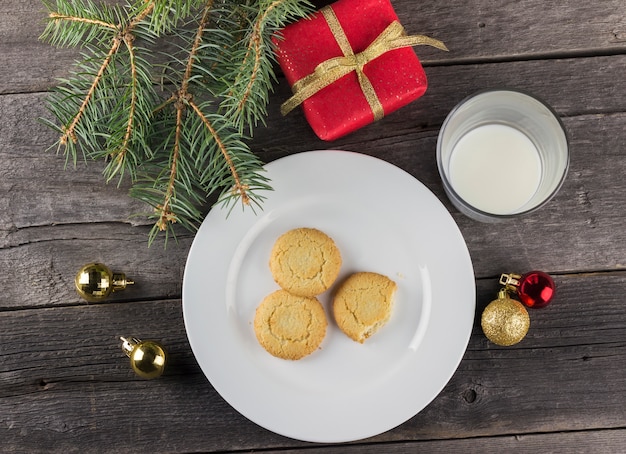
69	130
223	143
113	143
118	154
167	14
239	187
179	150
165	215
72	23
251	67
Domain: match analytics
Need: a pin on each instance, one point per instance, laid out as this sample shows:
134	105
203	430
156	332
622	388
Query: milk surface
495	168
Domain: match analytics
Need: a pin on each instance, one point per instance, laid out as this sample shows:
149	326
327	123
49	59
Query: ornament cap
128	345
503	294
510	280
147	358
120	281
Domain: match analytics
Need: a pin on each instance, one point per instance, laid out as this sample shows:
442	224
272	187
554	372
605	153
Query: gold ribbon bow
329	71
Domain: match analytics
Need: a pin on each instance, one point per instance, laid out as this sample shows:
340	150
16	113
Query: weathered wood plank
28	64
593	441
66	385
40	269
516	29
53	224
80	195
571	86
43	189
472	30
572	354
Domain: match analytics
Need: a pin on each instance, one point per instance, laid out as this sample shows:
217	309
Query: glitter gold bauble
505	321
95	281
147	358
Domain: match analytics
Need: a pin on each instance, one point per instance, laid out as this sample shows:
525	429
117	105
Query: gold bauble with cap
147	358
95	281
505	321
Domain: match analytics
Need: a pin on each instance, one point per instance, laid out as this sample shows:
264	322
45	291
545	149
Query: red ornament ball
535	289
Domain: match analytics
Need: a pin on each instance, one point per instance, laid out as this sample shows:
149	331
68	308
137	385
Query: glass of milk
501	153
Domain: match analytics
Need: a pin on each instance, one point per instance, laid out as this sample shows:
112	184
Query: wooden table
66	386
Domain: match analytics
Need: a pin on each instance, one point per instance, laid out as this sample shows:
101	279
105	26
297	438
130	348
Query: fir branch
164	210
72	23
133	102
254	52
181	149
142	12
252	66
238	188
83	20
69	130
183	99
118	156
166	216
116	145
196	45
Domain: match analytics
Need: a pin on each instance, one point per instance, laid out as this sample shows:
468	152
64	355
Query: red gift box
345	105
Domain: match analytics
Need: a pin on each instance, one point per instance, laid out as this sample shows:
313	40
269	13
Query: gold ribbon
329	71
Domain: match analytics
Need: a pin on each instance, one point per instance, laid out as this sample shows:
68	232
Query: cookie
290	326
305	261
363	304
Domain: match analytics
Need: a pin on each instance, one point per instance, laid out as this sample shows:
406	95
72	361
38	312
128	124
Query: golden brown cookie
290	326
363	304
305	261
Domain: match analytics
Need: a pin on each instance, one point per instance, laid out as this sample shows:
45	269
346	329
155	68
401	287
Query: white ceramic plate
383	220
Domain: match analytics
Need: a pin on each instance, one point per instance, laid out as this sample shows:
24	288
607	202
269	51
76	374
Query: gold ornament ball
147	358
95	281
505	321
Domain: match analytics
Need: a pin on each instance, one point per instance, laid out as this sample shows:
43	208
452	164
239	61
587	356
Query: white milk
495	168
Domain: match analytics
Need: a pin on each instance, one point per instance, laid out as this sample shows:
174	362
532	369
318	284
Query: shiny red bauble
534	289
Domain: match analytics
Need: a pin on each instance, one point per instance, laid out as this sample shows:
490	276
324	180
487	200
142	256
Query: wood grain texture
481	30
56	220
69	385
574	443
407	138
66	386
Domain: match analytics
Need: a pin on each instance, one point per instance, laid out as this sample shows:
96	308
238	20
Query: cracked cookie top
290	326
305	261
363	304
